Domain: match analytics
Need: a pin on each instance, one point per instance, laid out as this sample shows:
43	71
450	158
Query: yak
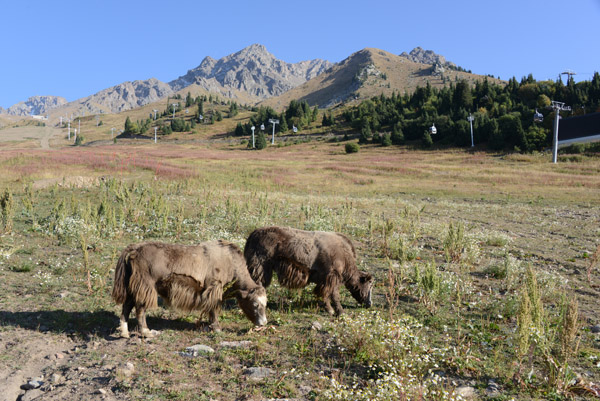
301	257
187	277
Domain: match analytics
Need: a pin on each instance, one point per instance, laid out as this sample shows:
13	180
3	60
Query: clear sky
74	48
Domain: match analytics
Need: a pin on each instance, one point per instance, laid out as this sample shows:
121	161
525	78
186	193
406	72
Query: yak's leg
140	312
335	297
213	320
321	293
127	307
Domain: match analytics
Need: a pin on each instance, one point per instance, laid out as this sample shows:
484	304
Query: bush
261	141
397	135
352	147
427	140
78	140
386	140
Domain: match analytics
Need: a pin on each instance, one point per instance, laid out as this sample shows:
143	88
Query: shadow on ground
101	323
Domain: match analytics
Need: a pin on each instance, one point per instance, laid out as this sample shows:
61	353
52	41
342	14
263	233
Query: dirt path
47	135
31	133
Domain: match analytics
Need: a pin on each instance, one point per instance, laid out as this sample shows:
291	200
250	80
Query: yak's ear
366	277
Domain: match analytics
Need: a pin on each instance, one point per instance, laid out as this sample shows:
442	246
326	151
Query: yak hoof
147	333
123	331
207	327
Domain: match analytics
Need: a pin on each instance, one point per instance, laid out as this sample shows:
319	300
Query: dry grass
397	205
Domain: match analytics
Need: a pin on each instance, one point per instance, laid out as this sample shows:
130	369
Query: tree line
503	114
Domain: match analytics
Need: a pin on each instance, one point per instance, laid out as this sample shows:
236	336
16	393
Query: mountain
252	70
418	55
367	73
254	75
248	76
35	105
125	96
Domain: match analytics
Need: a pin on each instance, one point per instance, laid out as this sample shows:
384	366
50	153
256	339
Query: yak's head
254	304
361	288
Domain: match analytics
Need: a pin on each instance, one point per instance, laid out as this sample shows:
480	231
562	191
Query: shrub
427	141
397	135
386	140
352	147
78	140
261	141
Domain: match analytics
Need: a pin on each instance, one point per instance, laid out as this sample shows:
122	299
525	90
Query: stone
258	373
59	355
196	350
101	391
465	391
33	384
127	369
493	389
32	395
57	378
595	329
317	326
235	344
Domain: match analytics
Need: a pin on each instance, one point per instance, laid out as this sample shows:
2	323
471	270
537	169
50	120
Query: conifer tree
261	141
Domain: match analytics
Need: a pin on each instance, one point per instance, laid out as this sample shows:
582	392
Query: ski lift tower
557	107
569	74
470	119
273	121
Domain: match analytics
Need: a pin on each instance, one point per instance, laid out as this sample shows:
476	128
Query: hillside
370	72
252	70
247	76
35	105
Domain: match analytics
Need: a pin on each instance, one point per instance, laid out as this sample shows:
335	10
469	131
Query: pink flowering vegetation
30	164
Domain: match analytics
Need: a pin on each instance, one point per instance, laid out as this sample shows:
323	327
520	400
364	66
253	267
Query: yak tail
187	294
129	279
122	276
257	259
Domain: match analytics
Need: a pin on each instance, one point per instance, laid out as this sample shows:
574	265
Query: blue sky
76	48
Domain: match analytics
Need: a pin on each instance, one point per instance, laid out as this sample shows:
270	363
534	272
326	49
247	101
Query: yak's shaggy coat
300	257
188	278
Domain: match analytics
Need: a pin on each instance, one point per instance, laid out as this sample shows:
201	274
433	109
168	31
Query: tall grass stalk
7	205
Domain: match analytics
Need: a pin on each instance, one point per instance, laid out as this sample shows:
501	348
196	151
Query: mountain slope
252	70
370	72
36	105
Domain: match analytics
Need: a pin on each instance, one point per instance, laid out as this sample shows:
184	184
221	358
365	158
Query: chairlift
538	117
432	129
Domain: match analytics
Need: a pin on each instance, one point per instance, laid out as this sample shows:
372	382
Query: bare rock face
252	70
35	105
125	96
419	55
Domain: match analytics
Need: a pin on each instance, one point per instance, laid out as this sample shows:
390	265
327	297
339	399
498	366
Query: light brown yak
195	277
300	257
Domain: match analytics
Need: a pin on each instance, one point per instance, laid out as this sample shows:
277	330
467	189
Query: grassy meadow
486	267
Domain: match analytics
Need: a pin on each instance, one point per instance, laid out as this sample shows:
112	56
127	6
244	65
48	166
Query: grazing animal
195	277
302	257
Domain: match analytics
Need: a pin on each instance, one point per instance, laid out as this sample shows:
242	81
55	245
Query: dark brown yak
301	257
196	277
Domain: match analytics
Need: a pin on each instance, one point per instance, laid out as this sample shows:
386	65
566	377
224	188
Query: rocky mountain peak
36	105
253	70
419	55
